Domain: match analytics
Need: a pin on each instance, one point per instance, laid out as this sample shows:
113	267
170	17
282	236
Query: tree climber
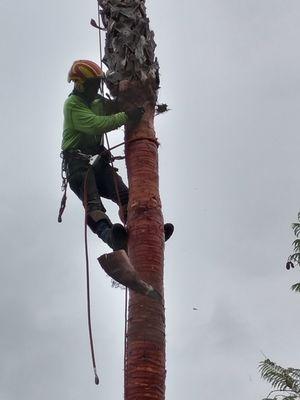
87	116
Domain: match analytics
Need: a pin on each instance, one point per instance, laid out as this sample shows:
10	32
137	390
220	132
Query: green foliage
296	287
296	245
295	257
296	228
285	381
279	396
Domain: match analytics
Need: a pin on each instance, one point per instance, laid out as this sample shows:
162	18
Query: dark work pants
102	181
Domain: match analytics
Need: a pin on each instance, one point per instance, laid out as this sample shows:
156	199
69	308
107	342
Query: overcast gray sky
229	162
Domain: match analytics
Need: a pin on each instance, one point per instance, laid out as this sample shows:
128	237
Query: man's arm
106	105
84	120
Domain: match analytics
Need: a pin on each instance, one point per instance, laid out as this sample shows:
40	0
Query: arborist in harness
87	117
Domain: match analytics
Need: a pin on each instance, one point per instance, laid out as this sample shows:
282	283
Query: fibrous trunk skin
133	79
145	375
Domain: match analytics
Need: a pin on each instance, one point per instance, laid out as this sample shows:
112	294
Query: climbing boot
115	236
168	229
119	237
118	266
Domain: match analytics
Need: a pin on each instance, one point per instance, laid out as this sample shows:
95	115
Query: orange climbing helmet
82	70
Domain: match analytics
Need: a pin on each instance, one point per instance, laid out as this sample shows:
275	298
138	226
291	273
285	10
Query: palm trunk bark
145	375
133	79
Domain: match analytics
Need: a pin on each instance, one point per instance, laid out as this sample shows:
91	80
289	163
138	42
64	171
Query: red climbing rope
126	289
125	341
86	245
88	279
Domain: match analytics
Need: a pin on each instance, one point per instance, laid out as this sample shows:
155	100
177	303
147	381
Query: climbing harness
104	152
81	156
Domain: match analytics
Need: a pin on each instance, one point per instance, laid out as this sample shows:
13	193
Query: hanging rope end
62	205
97	380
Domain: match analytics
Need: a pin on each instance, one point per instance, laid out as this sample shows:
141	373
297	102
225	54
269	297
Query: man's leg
82	182
111	186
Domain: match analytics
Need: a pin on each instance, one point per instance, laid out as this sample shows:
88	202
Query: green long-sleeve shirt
84	125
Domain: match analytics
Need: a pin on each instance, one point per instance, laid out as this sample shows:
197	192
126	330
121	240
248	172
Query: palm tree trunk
145	375
133	79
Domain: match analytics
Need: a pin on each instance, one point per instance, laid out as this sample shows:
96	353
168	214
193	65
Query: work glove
135	115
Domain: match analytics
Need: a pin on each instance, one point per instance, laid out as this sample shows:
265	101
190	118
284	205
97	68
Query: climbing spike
118	266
